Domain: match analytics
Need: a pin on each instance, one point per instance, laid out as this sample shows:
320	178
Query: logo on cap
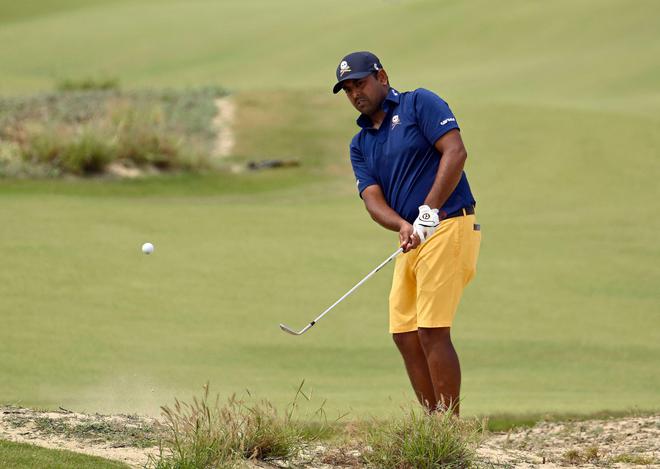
343	68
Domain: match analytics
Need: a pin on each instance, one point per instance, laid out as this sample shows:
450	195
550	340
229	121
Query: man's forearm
447	178
379	210
386	217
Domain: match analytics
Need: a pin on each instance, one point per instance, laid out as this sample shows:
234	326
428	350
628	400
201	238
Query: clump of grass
637	459
206	433
142	138
419	440
576	456
84	152
89	83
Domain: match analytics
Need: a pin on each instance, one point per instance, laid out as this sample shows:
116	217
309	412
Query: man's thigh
445	264
403	296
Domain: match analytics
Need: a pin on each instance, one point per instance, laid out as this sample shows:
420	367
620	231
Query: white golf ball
147	248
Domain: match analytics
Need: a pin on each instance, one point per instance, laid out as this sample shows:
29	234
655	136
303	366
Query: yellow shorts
428	281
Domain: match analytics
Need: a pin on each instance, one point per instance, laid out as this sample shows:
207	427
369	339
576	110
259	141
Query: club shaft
367	277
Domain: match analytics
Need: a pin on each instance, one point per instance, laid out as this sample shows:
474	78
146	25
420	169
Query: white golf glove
426	223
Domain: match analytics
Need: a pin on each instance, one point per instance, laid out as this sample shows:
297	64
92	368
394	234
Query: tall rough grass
209	434
419	440
83	152
83	132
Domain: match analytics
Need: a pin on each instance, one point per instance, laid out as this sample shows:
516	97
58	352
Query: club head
286	328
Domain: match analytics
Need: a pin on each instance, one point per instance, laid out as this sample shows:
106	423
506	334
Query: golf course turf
559	108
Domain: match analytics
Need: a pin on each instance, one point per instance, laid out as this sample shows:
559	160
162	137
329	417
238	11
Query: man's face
366	94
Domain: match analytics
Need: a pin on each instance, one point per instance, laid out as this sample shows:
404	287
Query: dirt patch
618	442
126	438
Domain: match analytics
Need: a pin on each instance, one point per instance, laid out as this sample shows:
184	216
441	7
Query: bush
419	440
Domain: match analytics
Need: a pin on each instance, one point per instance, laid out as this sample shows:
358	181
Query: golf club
286	328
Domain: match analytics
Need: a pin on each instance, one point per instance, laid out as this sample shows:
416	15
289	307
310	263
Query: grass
418	440
592	455
137	434
581	61
205	433
212	432
506	422
25	456
636	459
82	131
87	84
560	124
581	456
547	300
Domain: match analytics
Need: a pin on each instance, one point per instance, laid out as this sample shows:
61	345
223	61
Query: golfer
408	160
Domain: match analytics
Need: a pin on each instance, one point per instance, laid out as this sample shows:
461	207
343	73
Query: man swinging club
408	160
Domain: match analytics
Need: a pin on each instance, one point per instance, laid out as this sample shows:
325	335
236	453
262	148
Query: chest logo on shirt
395	121
344	68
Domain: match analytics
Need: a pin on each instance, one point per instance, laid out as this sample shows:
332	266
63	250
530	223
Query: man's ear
382	77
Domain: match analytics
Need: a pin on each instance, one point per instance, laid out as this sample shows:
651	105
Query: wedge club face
286	328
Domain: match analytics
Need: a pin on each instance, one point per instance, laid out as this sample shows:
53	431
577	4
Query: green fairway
560	120
25	456
595	53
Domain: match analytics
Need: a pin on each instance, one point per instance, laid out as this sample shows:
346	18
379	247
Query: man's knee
406	340
434	336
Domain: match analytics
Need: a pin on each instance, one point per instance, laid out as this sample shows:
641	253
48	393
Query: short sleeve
433	115
360	168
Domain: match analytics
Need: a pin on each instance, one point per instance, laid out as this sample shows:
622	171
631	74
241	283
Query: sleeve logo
449	119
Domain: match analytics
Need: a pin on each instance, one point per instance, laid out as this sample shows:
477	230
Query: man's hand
407	237
426	223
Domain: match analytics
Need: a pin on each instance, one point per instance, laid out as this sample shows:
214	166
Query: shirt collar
390	101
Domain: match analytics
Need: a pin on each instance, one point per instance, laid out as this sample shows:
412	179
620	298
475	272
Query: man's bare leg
443	365
417	367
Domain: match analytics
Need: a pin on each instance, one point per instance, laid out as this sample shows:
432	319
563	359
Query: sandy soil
125	438
224	119
621	442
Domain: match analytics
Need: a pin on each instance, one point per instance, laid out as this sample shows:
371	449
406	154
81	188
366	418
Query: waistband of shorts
460	212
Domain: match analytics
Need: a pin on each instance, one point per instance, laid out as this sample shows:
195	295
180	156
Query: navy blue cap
354	66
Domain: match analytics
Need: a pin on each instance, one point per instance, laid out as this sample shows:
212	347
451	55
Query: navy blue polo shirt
400	155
